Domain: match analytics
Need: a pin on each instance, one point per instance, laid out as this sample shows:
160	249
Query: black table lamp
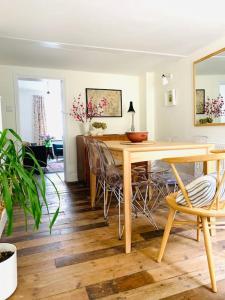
132	111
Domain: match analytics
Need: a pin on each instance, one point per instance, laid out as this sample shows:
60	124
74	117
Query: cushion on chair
200	191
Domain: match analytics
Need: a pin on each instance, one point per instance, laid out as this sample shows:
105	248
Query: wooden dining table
128	153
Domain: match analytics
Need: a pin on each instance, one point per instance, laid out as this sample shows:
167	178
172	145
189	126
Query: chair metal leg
106	192
208	248
98	191
166	234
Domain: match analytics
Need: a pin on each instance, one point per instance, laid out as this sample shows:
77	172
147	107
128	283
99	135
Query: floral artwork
113	98
82	113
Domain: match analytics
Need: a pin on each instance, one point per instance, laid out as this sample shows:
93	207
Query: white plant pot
3	219
8	272
85	128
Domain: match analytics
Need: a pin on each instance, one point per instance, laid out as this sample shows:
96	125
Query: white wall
179	120
75	82
53	108
147	110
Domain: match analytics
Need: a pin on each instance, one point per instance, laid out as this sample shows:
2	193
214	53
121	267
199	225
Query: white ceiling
106	35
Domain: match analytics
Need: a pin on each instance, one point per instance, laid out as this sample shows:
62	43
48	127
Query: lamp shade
131	108
165	80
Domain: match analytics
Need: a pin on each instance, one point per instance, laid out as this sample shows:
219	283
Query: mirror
209	90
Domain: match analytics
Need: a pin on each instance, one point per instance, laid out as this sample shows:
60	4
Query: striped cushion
200	191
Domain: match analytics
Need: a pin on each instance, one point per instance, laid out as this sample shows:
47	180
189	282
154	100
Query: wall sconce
132	111
165	78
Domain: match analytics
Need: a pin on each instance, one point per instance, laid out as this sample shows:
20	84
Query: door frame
18	77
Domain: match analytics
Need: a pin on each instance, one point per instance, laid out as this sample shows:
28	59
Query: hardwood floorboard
54	232
39	249
78	294
201	292
118	285
83	258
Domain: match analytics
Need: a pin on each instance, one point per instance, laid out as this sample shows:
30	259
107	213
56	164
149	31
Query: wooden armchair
204	215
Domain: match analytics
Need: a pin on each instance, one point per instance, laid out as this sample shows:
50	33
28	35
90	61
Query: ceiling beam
72	46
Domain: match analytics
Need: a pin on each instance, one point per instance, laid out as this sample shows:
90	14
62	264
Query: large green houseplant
19	187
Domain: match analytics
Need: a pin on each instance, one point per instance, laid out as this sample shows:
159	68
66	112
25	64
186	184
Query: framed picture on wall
113	97
170	97
200	101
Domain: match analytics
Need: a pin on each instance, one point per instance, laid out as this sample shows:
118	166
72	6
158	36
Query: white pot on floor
8	272
3	219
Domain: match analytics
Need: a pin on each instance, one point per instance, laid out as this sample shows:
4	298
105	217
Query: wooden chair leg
166	234
212	229
198	228
208	248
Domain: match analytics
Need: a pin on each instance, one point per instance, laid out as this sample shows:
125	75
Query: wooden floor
83	259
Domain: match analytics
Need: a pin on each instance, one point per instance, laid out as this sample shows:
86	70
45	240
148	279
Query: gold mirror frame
194	89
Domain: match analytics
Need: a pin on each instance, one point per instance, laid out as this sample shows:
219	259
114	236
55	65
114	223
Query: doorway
40	122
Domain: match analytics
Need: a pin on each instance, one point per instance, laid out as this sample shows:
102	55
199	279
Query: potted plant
98	128
47	140
19	187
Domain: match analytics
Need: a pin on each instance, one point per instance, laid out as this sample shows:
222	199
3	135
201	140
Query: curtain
39	119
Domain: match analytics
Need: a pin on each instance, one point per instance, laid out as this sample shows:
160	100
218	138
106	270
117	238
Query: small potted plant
47	140
98	128
19	187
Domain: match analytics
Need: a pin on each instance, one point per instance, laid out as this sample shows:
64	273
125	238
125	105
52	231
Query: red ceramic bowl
137	136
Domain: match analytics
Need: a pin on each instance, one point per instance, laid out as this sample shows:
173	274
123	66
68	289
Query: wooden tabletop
155	146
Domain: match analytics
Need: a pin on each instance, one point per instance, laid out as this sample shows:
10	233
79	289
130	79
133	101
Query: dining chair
162	178
95	168
203	198
114	187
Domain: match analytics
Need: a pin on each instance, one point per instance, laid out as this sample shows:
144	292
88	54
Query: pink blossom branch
82	114
214	107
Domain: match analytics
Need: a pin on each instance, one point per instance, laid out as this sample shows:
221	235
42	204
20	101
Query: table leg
127	199
92	188
208	167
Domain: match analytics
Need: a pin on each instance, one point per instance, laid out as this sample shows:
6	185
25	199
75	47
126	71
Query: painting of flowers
113	99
